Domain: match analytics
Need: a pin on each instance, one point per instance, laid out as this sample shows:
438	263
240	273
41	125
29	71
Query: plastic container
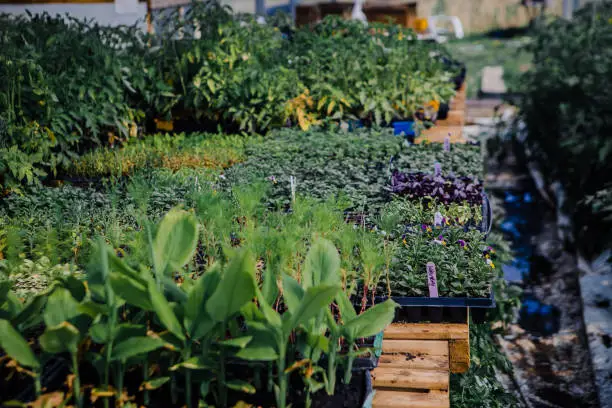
405	128
441	309
365	363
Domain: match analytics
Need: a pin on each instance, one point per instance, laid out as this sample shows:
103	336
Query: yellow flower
428	229
404	241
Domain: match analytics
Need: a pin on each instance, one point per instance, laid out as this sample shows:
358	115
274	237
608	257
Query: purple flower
423	227
440	237
461	243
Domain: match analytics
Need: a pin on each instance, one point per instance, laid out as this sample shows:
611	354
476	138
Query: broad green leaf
347	311
125	331
271	315
134	346
60	338
197	319
194	363
100	333
241	386
131	290
322	265
154	383
61	307
292	293
16	346
31	313
260	348
164	312
240	342
372	321
315	300
237	288
175	241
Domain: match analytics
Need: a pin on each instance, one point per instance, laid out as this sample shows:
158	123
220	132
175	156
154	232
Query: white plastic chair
433	21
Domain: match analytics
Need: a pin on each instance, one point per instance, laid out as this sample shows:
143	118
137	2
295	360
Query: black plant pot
443	111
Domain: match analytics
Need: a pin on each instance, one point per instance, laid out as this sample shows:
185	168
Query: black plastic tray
441	309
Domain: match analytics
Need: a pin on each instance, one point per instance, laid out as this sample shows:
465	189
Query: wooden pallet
416	362
452	126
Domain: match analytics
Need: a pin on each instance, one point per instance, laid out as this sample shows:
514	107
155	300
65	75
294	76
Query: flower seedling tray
440	309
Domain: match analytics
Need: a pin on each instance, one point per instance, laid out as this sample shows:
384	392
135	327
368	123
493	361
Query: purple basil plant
447	189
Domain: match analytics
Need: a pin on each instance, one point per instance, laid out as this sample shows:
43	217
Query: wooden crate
416	362
452	126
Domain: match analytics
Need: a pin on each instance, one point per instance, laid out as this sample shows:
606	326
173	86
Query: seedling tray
441	309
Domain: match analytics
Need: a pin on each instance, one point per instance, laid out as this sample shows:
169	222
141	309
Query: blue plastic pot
405	128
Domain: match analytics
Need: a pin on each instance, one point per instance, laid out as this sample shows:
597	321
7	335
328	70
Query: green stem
37	384
221	390
77	382
119	381
281	397
145	376
332	366
348	372
187	375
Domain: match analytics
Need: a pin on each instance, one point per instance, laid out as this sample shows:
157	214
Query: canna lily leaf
239	342
134	346
175	241
164	312
322	265
237	288
16	346
61	306
197	319
153	384
372	321
315	300
241	386
60	338
292	293
133	291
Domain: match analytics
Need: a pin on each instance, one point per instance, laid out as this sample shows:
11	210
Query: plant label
437	169
438	219
447	143
432	281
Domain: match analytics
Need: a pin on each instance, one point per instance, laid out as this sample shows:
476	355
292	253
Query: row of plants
379	244
566	112
198	327
71	86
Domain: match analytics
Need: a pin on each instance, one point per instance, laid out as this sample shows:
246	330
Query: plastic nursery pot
358	393
354	124
405	128
441	309
369	361
443	111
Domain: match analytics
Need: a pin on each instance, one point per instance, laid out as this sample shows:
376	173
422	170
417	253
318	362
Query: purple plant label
447	143
437	169
432	281
438	219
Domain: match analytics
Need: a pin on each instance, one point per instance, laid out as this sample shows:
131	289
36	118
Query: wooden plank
459	355
437	134
416	347
409	379
400	399
454	118
426	331
421	361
